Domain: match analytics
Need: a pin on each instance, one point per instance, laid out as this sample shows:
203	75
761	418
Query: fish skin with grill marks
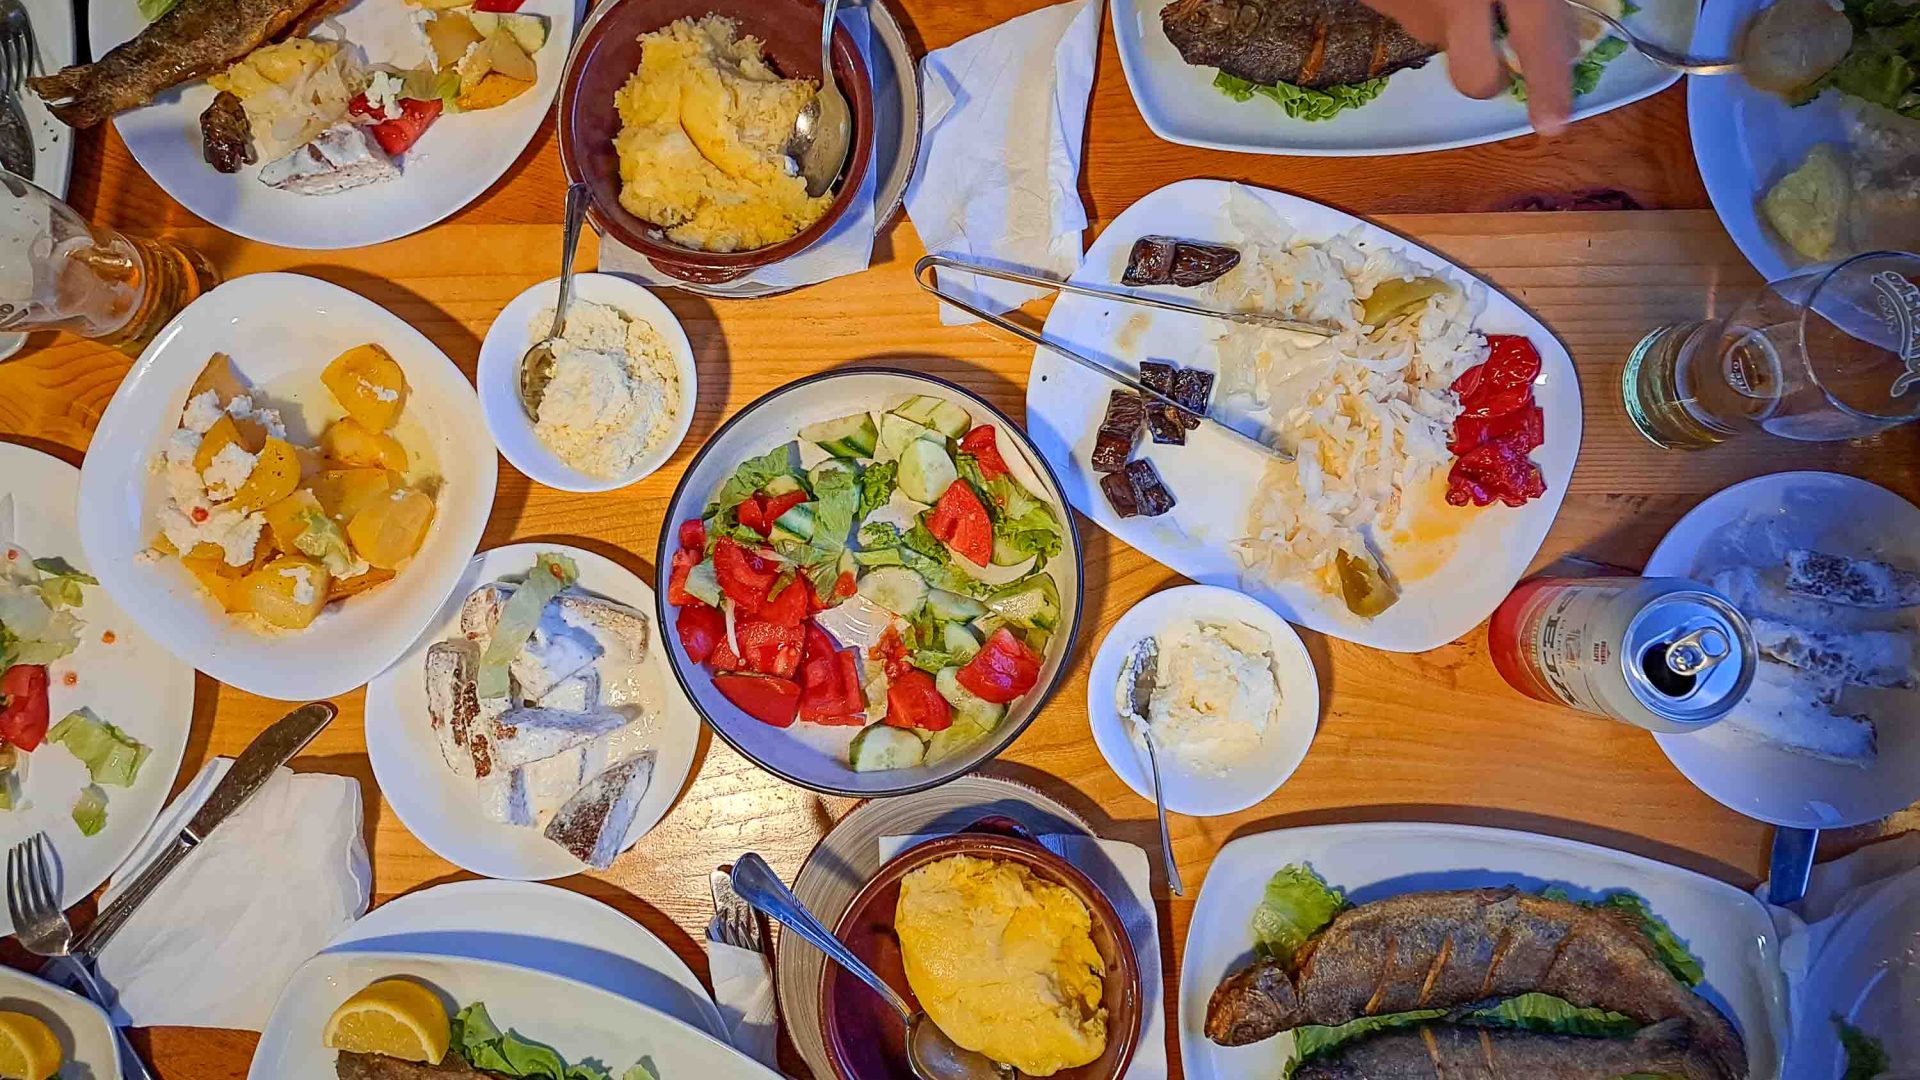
352	1066
1449	950
1449	1052
1310	43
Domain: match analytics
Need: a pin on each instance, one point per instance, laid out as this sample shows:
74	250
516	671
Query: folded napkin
743	989
998	180
847	248
218	940
1121	873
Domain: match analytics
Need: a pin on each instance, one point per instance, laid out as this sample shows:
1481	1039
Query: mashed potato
1003	962
704	125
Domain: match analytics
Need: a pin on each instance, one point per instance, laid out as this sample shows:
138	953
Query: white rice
1367	413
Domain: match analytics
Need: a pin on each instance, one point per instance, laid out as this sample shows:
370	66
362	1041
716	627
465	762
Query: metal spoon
1141	667
932	1055
824	129
1658	53
536	364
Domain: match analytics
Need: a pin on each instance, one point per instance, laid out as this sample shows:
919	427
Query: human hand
1540	31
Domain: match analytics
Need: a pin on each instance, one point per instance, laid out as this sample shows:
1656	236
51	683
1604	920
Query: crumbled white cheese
383	95
227	471
380	393
201	413
241	408
234	532
302	578
182	445
1215	694
614	394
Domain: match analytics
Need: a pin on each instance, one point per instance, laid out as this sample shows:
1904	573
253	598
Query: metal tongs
922	272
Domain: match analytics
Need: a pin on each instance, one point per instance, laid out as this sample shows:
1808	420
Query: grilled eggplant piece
1192	388
226	135
1447	1052
1168	424
1310	43
1444	950
1168	260
1118	488
1149	491
1126	411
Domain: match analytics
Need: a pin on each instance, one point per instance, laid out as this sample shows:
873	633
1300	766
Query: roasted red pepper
1499	424
701	628
23	719
767	699
984	445
914	702
1004	669
960	521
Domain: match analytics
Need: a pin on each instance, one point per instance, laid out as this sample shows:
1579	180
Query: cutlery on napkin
742	976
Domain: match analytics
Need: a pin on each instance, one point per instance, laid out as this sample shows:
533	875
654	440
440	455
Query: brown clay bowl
864	1037
606	55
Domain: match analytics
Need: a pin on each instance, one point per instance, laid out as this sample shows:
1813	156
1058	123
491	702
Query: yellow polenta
704	125
1004	962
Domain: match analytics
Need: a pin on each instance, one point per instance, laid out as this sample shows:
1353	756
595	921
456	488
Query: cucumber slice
919	408
897	433
950	420
965	703
783	485
703	584
958	641
926	471
848	437
957	737
1033	603
1005	554
528	30
879	747
952	607
795	524
895	588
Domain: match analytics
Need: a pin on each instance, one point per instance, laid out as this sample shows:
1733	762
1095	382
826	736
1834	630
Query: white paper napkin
743	989
847	248
1120	871
218	940
998	180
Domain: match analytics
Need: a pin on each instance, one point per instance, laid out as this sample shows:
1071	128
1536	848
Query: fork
1671	59
34	904
734	921
16	48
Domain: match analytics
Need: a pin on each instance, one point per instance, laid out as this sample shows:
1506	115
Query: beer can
1665	654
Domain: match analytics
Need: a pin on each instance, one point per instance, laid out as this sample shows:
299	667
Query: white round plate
281	330
1867	973
541	927
510	336
459	157
576	1019
1832	513
1281	750
131	682
442	809
85	1033
1419	111
1214	478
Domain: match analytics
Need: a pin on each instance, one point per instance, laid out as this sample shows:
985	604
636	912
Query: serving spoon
1141	673
824	129
536	364
931	1054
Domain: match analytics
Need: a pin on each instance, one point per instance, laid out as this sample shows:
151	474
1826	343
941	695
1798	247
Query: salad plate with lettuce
93	713
871	582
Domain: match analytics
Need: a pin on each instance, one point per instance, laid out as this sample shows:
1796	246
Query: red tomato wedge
767	699
983	443
23	719
396	135
693	534
684	561
791	605
769	648
1003	670
914	702
701	628
504	6
744	577
960	521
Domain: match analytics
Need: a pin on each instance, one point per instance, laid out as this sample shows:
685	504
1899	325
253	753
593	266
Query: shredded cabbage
551	574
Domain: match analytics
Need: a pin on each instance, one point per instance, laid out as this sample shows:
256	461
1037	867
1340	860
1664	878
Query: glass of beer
1827	355
57	272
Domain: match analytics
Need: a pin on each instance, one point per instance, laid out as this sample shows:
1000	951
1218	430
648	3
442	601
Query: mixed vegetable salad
886	571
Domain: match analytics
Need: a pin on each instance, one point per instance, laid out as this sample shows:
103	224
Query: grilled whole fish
1447	1052
352	1066
1311	43
1446	950
196	39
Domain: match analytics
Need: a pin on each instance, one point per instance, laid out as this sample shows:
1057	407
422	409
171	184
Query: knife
256	765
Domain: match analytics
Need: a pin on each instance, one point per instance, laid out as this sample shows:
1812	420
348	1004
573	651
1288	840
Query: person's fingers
1425	20
1542	35
1472	56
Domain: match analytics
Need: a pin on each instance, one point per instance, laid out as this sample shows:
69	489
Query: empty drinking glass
1827	355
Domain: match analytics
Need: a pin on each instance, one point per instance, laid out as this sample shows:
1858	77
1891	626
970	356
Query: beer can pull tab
1698	651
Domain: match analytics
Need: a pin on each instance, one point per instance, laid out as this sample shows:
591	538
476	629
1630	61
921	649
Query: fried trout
1311	43
352	1066
1448	950
196	39
1447	1052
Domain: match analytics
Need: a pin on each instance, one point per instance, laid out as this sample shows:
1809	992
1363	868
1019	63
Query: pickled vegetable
1792	43
1398	296
387	533
1364	585
287	592
276	473
350	442
367	382
220	377
286	519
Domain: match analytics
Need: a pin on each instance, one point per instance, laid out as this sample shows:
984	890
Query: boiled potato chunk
226	431
387	533
276	473
490	90
344	493
348	441
368	383
287	592
212	576
451	34
219	377
286	519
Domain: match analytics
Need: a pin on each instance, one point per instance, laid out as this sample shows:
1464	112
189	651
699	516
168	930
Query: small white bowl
512	334
1286	741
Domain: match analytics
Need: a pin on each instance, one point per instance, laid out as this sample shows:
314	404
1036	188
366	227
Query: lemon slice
397	1018
29	1050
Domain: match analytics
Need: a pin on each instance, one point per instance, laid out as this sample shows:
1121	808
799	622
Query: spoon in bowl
932	1055
536	364
824	129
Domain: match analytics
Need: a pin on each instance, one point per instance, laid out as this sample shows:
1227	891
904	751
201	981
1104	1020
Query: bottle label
1899	302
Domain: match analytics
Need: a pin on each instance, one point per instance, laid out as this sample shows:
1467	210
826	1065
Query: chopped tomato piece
777	505
752	512
23	719
769	648
914	702
830	690
1004	669
723	657
693	534
767	699
397	134
497	5
845	586
891	653
791	605
983	443
744	577
961	522
701	628
684	561
820	644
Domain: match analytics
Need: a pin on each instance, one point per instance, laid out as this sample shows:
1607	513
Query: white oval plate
133	683
442	809
1419	111
281	330
1727	929
541	927
1864	973
1281	751
498	376
1833	513
85	1033
578	1020
458	158
1214	477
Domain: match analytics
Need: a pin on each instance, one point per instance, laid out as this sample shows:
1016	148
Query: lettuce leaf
1300	102
1531	1012
90	810
153	9
60	587
1313	1040
485	1046
752	475
111	756
1672	953
877	482
1866	1056
551	573
1023	523
1297	904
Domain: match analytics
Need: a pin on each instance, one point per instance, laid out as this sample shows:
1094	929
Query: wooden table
1435	736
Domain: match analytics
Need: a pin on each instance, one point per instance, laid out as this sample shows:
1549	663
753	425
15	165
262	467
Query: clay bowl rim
1125	964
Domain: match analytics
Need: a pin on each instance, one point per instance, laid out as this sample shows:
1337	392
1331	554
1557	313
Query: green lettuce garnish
752	475
1024	524
1667	947
551	573
60	587
486	1047
876	486
111	756
1297	904
153	9
1866	1056
90	810
1300	102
